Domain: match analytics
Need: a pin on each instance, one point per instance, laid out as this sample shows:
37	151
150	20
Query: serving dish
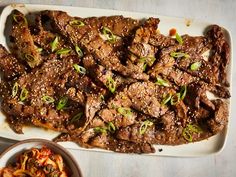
10	153
212	145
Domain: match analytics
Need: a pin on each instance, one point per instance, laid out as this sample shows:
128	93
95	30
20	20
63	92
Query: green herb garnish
76	117
179	55
189	130
63	51
195	66
100	129
62	103
111	84
144	126
162	82
175	99
166	99
29	57
23	94
178	38
79	51
20	19
48	99
183	92
108	34
79	69
54	44
77	23
126	112
39	49
15	89
111	127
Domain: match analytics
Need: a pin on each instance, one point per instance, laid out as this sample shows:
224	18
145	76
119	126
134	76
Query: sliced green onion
178	38
15	89
183	92
111	127
195	66
194	128
144	126
63	51
162	82
39	50
79	69
54	44
79	51
179	55
175	99
189	130
23	94
100	130
149	60
144	66
126	112
48	99
102	97
76	117
186	134
111	84
19	19
62	103
166	99
109	35
77	23
29	57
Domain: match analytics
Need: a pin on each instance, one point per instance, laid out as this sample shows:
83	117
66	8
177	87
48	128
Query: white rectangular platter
210	146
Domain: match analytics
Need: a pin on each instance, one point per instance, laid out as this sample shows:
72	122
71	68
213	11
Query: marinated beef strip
89	38
22	40
9	65
220	52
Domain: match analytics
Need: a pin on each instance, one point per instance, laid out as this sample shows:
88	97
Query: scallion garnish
166	99
100	130
162	82
76	117
195	66
178	38
111	127
179	55
19	19
15	89
183	92
54	44
48	99
126	112
29	57
144	126
79	51
23	94
175	99
63	51
77	23
79	69
108	34
189	130
62	103
148	60
39	49
111	84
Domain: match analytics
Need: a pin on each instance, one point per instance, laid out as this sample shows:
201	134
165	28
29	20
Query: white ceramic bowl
14	150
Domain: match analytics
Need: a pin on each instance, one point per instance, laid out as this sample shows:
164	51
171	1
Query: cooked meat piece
220	91
160	41
206	71
9	65
220	56
196	44
219	120
23	41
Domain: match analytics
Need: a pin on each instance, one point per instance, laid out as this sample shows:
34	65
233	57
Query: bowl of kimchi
38	158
